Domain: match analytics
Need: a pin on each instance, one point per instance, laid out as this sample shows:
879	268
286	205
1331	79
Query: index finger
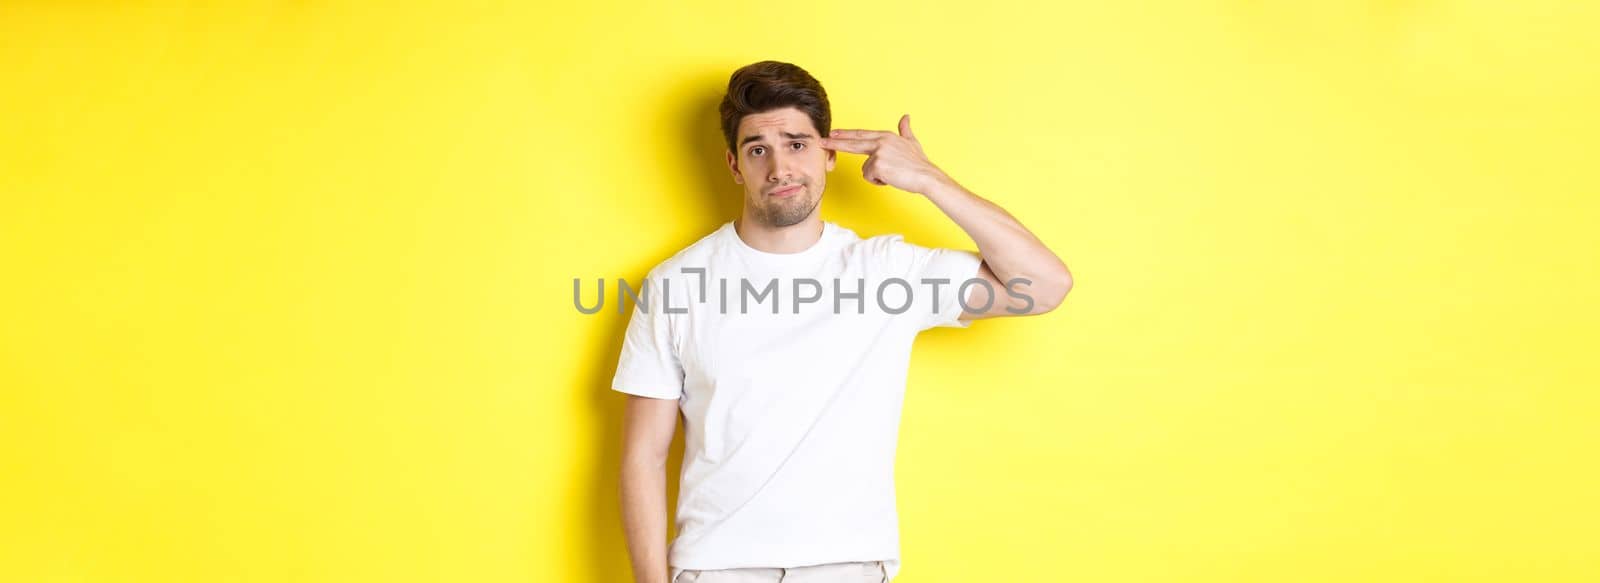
860	134
853	146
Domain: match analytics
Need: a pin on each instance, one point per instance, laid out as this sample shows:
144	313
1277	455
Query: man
791	397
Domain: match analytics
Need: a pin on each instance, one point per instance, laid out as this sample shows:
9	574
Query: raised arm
1011	253
1015	262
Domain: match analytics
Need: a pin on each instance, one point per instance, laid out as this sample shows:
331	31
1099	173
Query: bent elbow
1055	295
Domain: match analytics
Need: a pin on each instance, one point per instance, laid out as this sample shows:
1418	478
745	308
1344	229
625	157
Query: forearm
644	518
1009	248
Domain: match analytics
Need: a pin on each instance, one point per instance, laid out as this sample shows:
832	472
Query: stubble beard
784	212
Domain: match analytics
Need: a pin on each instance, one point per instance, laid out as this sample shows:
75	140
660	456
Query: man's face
778	162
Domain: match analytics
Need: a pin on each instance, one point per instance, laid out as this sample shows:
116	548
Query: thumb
905	128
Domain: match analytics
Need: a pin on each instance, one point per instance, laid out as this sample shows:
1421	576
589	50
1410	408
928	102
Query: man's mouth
785	191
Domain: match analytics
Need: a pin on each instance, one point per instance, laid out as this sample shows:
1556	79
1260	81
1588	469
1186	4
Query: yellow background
287	286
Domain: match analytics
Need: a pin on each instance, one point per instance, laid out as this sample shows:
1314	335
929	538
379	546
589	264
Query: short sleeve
955	267
935	275
649	364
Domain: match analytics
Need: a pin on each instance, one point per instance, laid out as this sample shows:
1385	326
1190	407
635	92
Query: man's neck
791	239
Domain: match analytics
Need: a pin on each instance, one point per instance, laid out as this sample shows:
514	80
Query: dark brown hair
769	85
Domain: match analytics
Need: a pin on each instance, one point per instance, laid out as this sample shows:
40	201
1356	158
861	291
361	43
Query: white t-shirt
791	417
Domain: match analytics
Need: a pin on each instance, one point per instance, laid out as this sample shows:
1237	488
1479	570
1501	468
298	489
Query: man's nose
782	168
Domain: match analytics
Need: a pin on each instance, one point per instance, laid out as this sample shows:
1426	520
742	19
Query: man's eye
800	145
756	151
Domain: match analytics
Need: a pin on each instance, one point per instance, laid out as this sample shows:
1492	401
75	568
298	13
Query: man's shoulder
891	247
880	243
892	252
695	255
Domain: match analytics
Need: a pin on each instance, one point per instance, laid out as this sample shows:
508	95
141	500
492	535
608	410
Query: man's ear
733	166
831	156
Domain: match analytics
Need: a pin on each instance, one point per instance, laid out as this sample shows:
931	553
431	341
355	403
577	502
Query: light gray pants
860	572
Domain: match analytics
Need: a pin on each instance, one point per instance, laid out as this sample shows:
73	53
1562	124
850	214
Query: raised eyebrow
757	138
